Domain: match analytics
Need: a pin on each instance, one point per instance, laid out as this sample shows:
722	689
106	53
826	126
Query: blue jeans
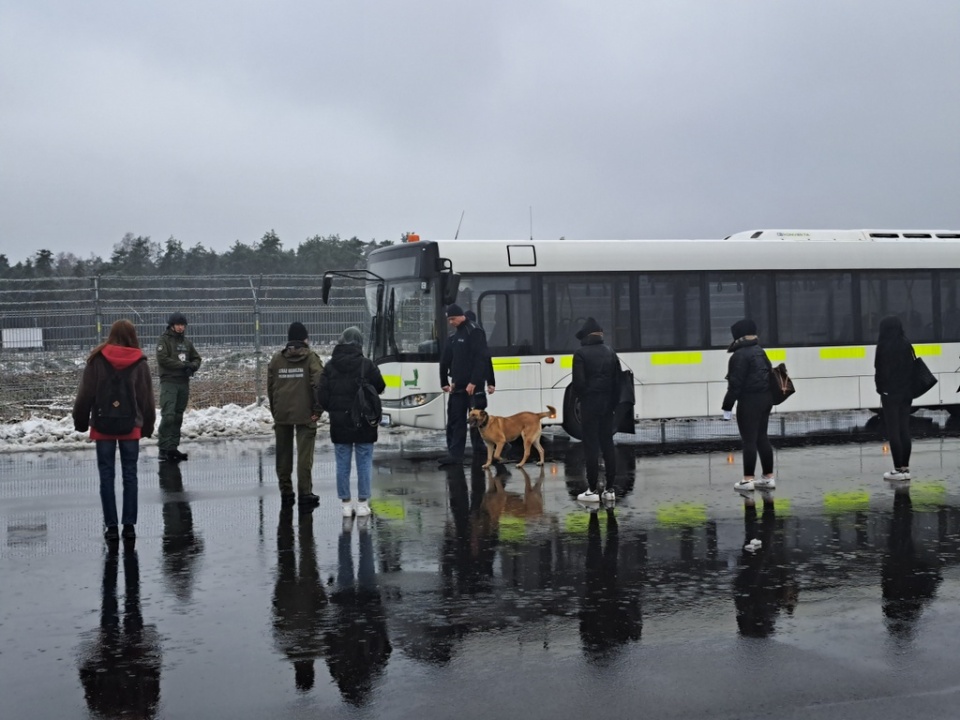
344	453
107	465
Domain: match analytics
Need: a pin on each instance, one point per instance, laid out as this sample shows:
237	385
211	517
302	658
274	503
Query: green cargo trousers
306	436
173	401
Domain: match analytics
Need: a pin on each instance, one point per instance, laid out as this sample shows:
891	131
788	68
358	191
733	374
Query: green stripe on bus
506	363
776	355
843	353
391	380
927	350
676	358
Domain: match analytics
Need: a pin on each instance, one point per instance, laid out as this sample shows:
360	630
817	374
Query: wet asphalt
475	594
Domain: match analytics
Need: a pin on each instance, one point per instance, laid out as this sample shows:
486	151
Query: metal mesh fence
236	322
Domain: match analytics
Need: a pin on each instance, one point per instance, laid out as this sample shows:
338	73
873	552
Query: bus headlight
411	401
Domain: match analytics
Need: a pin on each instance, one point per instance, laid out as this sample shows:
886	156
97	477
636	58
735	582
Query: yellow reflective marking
836	503
843	353
506	363
676	358
391	380
776	355
682	514
927	350
566	362
388	509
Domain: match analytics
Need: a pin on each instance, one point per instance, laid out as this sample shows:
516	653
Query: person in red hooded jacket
120	353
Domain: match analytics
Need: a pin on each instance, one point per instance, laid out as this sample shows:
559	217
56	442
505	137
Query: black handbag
921	379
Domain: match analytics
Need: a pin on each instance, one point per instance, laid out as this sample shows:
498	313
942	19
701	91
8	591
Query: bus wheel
571	415
954	410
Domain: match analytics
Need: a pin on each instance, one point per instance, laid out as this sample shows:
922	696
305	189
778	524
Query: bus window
950	306
670	311
737	295
569	300
815	308
410	320
504	309
908	295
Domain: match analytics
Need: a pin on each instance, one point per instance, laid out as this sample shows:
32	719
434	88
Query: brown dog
497	431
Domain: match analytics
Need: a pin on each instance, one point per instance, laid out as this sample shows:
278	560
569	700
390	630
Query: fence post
256	337
96	308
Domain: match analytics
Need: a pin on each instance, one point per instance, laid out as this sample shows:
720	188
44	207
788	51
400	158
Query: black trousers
896	418
458	405
753	415
596	426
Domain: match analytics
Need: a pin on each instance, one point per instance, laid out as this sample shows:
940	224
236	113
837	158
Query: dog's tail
551	414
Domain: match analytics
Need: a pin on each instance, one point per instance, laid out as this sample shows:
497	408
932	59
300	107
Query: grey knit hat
351	336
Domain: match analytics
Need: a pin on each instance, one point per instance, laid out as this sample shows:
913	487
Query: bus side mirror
327	282
449	288
379	298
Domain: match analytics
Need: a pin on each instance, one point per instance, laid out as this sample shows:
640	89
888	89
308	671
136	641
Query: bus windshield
409	323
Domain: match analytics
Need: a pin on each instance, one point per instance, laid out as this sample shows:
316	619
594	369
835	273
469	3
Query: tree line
140	256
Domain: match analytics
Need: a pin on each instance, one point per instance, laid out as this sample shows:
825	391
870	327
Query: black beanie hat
742	328
590	326
454	310
296	331
178	318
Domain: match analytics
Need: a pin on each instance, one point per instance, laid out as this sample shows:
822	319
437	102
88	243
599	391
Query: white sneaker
588	496
363	508
765	483
346	509
744	485
609	495
897	475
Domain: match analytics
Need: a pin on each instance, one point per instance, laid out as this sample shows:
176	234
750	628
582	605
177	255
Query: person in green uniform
292	378
177	361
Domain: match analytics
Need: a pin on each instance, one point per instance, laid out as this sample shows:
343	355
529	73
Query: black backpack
114	409
366	410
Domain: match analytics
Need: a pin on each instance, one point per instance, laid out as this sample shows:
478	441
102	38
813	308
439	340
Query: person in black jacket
596	382
748	385
463	370
894	370
339	383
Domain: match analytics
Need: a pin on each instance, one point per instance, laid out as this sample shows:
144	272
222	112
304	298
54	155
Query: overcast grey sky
218	120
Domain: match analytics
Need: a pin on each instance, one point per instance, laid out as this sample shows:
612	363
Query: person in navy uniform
463	372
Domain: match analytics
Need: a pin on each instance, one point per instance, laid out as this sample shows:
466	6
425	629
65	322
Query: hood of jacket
121	357
743	342
591	340
296	351
347	358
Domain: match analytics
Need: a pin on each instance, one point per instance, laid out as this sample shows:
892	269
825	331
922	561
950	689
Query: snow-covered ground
213	422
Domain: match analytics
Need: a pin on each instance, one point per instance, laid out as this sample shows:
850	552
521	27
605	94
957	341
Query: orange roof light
413	237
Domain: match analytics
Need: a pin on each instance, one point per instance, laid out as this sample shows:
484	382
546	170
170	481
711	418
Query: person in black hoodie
336	394
894	370
748	385
596	382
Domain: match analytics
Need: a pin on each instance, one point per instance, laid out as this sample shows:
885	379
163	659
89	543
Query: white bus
666	307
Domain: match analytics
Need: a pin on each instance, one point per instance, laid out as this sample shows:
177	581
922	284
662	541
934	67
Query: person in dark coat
463	372
893	363
336	394
748	385
596	382
120	352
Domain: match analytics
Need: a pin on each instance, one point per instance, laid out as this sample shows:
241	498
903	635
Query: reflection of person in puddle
609	614
908	579
298	598
764	583
356	638
182	547
120	664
